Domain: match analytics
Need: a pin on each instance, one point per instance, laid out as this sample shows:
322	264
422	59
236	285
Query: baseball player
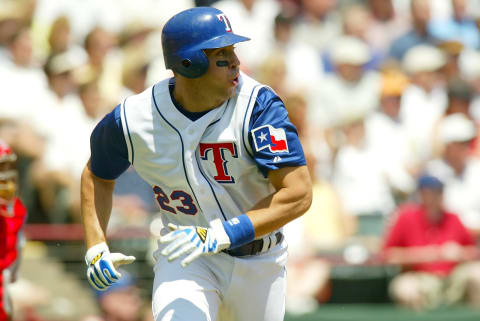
226	167
12	217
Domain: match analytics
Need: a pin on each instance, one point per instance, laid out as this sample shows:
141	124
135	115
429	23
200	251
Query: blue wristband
240	230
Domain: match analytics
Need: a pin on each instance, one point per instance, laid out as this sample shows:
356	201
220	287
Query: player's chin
229	87
231	91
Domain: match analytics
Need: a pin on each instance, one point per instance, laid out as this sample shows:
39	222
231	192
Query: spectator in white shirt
303	63
104	62
425	100
319	23
459	96
359	179
387	136
134	73
21	78
387	24
350	89
60	116
459	170
469	64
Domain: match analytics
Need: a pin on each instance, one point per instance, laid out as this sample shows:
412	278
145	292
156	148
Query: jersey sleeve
273	138
109	154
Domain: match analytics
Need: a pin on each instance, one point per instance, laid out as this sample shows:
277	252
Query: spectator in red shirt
435	250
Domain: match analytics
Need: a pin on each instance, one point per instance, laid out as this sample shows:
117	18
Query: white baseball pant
221	287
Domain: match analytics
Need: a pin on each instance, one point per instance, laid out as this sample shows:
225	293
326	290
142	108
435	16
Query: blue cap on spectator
429	181
125	281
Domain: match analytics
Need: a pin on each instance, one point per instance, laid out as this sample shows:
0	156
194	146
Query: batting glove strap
95	253
221	235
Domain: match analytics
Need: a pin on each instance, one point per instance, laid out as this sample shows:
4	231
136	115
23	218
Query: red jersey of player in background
12	218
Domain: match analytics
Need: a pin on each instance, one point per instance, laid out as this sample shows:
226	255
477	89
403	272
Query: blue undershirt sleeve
109	154
273	138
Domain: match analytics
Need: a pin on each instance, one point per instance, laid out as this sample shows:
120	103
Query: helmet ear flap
192	64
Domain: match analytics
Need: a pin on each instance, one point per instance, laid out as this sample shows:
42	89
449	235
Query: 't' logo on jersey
270	137
218	154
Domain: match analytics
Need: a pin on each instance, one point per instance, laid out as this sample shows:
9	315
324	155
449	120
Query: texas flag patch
270	137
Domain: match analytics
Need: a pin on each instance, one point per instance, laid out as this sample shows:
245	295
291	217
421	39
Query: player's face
223	71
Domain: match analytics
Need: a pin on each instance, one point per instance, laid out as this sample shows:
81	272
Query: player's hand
194	241
102	266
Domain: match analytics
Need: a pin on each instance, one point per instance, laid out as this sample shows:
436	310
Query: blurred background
385	95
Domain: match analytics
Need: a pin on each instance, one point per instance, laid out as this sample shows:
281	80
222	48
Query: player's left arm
281	161
292	198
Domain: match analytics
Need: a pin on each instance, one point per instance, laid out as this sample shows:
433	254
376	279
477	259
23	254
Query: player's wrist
240	230
95	250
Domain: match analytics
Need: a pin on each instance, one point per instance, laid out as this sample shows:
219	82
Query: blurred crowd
385	95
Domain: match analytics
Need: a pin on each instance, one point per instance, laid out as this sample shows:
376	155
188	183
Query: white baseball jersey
203	166
203	169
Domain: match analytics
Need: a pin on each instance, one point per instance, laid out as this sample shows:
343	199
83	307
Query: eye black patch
222	63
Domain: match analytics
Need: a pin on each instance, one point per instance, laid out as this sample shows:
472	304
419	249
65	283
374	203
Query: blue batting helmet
187	33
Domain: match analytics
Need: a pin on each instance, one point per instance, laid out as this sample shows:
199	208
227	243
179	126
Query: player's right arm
96	206
107	161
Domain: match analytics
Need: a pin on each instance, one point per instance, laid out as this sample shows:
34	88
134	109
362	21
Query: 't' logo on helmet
223	17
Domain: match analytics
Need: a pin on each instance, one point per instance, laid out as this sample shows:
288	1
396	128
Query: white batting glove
195	241
101	271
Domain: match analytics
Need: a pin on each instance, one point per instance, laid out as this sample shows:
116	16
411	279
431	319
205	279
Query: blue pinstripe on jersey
213	191
181	140
128	131
245	118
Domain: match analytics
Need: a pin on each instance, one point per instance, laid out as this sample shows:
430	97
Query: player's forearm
96	205
291	200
